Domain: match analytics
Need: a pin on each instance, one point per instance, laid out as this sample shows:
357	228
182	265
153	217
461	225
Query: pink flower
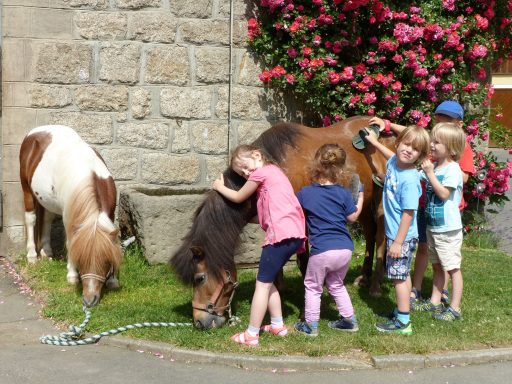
265	76
290	79
306	51
334	78
449	5
369	98
317	40
292	52
481	22
278	71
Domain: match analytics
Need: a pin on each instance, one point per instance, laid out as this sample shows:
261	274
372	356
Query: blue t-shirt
402	190
327	208
444	216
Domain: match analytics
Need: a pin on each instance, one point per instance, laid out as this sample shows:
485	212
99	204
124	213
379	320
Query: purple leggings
331	267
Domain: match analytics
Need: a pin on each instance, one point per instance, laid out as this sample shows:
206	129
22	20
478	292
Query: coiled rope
75	335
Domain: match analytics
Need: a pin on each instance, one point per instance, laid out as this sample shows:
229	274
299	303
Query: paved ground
501	223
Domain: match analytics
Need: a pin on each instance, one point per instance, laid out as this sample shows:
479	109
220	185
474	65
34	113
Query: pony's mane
273	141
92	238
218	222
215	214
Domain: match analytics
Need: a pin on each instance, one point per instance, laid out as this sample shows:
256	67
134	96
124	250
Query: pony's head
93	243
205	260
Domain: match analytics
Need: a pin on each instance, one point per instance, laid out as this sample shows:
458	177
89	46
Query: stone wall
146	82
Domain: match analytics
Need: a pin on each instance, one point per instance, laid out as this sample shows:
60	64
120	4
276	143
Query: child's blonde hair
452	137
419	139
246	150
328	164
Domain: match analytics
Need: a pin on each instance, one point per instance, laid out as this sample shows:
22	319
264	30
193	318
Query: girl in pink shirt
281	217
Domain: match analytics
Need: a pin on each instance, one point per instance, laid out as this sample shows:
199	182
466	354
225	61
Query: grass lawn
152	293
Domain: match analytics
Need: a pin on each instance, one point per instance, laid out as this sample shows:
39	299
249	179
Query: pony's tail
91	236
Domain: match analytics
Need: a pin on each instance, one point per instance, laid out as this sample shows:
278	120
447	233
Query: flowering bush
391	58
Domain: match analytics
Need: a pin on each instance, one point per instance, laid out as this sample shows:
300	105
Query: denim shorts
400	268
274	257
421	221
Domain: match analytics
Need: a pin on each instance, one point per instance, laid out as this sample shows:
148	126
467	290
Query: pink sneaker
278	331
245	339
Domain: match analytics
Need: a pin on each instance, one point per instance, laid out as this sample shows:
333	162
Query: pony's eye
200	278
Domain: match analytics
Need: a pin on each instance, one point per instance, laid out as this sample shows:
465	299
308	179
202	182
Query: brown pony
60	174
206	257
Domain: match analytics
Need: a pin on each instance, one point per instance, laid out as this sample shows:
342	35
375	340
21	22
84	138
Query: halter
211	307
98	277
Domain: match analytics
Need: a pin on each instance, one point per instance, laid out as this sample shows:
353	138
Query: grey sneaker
445	297
417	297
395	326
449	314
305	329
343	324
426	306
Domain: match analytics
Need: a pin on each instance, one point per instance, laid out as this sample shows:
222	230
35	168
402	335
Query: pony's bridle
212	307
98	277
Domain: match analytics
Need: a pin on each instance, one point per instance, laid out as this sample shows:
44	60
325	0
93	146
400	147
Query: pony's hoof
73	280
376	292
112	284
46	254
360	281
32	259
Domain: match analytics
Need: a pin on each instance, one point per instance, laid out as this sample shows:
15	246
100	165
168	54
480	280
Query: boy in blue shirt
401	193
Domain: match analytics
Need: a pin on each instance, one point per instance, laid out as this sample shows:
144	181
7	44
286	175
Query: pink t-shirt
279	212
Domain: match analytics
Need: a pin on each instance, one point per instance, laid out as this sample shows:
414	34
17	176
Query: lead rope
75	335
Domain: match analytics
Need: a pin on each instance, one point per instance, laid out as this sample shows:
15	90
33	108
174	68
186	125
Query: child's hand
377	121
371	137
427	166
395	251
218	183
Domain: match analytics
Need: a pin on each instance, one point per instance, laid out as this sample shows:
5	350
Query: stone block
49	96
167	65
89	4
198	9
159	218
101	25
102	98
120	62
51	24
11	163
180	136
16	122
153	135
209	137
249	131
152	27
205	32
121	162
186	102
162	168
64	63
93	128
212	65
138	4
246	103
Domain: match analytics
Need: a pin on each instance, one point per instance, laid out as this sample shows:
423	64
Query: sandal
245	339
278	331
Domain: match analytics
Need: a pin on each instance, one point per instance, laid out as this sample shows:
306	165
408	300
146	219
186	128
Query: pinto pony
206	257
62	175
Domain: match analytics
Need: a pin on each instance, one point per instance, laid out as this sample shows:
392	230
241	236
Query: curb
304	363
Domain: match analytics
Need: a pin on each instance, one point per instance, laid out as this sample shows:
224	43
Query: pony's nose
92	301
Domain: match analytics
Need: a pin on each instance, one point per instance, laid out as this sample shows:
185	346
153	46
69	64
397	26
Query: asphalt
21	325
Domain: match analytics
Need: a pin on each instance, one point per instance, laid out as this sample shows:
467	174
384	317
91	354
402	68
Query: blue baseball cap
450	108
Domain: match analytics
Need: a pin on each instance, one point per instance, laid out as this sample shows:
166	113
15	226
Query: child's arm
372	139
235	196
396	128
439	189
395	251
359	205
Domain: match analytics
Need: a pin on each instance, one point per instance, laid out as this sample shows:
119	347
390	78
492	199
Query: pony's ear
197	252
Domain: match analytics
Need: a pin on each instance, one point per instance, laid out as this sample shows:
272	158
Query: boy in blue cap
449	111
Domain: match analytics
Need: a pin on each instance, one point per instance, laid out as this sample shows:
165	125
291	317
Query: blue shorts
400	268
274	257
421	221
